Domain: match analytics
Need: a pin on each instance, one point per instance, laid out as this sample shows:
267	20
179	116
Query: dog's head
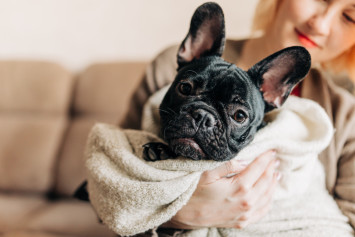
213	108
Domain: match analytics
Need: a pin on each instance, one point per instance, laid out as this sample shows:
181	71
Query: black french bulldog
213	108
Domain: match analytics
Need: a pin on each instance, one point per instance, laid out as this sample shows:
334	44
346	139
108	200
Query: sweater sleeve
339	158
160	72
345	184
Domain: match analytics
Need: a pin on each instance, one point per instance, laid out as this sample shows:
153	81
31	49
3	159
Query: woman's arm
345	184
159	73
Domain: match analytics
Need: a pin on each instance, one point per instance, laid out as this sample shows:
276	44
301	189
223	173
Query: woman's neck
253	51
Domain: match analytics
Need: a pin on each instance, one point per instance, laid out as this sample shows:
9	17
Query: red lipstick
305	41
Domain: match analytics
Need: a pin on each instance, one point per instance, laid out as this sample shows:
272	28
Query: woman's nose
320	23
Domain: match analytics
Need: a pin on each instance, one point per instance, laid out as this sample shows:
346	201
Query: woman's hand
232	202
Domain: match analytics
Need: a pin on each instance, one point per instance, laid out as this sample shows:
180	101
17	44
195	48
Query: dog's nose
203	118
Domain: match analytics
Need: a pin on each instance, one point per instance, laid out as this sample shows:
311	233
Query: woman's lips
305	41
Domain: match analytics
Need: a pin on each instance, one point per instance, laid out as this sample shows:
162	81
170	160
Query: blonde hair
264	16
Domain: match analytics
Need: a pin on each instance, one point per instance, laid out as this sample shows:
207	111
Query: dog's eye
240	116
185	88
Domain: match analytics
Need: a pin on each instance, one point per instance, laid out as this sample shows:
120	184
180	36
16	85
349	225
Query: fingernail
277	163
278	175
230	175
243	163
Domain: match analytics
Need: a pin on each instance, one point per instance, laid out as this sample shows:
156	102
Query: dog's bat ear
279	73
206	34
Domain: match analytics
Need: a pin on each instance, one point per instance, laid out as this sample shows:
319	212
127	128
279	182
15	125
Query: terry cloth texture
131	195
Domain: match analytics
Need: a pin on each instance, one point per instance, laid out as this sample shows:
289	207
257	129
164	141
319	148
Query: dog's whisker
172	111
169	111
165	111
165	128
192	71
164	136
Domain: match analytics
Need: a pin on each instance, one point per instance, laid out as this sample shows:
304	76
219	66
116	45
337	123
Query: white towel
131	195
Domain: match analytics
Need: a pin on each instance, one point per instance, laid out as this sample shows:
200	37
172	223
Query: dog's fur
213	108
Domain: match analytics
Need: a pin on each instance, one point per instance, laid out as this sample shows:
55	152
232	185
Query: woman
327	30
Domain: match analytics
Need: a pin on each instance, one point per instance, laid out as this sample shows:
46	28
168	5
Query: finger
252	173
255	217
262	209
266	197
234	167
264	183
226	170
275	180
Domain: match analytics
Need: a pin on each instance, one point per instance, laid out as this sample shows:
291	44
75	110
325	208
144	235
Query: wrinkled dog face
213	108
209	111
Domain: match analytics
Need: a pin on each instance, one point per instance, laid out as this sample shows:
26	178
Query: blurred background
76	33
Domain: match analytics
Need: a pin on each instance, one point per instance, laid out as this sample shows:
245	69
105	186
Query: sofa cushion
101	94
16	209
26	233
34	215
34	105
31	86
69	217
71	168
106	88
29	145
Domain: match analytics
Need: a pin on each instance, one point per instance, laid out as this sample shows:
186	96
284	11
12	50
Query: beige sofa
46	113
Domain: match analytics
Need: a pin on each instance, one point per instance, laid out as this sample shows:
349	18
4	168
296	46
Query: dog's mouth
187	147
